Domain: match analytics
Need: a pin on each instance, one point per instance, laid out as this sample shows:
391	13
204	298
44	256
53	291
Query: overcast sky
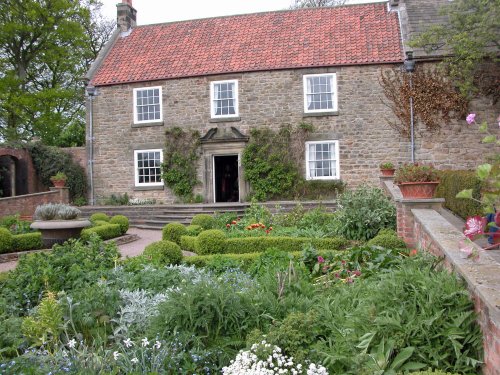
158	11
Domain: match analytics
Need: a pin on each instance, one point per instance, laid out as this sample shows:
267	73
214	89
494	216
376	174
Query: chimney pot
126	16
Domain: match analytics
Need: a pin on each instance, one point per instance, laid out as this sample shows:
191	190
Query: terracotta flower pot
58	183
387	172
418	190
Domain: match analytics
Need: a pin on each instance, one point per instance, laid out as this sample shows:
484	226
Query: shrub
211	242
451	183
204	220
188	243
100	222
414	172
388	231
318	189
122	221
173	232
116	200
288	244
433	372
5	241
27	241
56	211
193	230
388	241
362	213
104	232
99	216
163	252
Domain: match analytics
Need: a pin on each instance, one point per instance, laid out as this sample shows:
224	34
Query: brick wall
78	154
25	205
271	99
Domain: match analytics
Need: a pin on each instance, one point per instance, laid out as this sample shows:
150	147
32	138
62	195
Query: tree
44	52
316	3
471	36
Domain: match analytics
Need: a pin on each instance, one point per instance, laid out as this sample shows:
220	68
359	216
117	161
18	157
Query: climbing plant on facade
179	168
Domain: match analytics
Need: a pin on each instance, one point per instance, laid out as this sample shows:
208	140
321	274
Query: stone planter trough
59	231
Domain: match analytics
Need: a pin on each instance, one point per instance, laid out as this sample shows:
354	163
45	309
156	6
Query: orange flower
413	252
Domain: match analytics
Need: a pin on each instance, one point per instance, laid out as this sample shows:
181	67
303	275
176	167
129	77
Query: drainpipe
91	91
409	66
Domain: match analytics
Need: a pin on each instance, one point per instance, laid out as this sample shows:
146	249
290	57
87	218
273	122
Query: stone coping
481	275
392	188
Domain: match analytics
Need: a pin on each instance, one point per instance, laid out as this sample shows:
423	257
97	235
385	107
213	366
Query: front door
226	187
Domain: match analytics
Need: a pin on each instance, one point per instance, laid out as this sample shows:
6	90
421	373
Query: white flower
128	343
145	342
134	360
157	345
72	343
116	355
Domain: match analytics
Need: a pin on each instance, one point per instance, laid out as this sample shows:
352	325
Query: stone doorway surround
220	142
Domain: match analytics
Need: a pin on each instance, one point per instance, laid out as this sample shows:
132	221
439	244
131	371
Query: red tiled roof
347	35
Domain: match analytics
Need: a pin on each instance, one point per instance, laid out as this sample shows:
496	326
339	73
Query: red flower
228	225
233	222
474	226
413	252
321	259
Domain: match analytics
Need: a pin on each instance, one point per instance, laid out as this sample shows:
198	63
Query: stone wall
271	99
25	205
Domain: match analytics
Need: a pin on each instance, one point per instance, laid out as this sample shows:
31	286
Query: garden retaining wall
25	205
422	225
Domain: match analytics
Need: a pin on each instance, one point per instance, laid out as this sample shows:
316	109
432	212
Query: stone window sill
225	119
145	188
147	124
320	114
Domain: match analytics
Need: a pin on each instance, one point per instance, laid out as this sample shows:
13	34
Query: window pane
148	167
148	105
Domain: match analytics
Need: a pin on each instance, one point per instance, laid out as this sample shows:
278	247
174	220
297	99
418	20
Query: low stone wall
25	205
421	225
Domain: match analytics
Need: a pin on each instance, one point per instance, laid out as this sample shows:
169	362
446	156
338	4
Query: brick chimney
126	16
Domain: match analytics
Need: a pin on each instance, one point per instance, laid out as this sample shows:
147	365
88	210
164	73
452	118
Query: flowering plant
415	172
328	273
264	358
386	165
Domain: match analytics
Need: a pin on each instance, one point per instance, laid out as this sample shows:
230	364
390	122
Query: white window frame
235	98
333	94
336	160
136	120
136	168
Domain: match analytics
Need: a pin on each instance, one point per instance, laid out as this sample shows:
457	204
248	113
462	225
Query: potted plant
416	180
387	168
59	179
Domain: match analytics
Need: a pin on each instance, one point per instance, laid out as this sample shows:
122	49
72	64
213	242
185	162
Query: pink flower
357	273
474	226
471	118
321	259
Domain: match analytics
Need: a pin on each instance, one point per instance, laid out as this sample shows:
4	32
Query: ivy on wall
180	157
435	99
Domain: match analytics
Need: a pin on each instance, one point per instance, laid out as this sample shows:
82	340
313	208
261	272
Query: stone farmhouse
227	75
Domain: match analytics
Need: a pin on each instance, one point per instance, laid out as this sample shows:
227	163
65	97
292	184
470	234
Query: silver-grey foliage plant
56	211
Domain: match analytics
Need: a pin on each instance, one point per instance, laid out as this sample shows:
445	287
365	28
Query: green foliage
117	200
45	325
414	172
188	243
269	166
471	33
122	221
205	221
49	160
173	232
211	241
386	165
104	232
68	266
5	241
287	244
193	230
180	161
15	225
387	241
318	189
362	213
433	372
27	241
163	252
99	216
451	183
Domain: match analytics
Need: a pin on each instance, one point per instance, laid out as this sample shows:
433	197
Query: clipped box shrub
451	183
27	241
105	232
388	241
193	230
288	244
5	241
163	252
188	243
205	221
99	216
211	242
99	222
173	232
388	231
122	221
